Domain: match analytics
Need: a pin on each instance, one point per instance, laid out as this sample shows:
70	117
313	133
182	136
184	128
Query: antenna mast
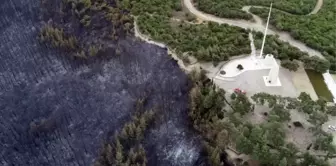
265	34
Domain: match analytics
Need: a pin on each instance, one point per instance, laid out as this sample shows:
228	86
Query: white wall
331	84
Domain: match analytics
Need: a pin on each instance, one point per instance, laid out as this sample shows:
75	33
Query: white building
254	63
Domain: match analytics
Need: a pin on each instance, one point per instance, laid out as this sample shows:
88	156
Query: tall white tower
265	33
273	76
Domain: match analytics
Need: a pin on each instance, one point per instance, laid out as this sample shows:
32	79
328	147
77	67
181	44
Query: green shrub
290	65
240	67
316	63
233	96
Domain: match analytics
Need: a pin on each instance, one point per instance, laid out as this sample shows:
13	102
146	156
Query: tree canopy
222	125
317	30
232	9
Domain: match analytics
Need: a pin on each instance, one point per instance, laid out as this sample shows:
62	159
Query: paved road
257	26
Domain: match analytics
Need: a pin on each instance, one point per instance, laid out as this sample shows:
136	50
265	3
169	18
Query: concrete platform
249	63
252	82
266	81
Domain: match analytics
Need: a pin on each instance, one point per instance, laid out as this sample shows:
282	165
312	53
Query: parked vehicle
237	90
331	127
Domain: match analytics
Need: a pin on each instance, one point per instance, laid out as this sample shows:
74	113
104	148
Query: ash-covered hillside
84	27
57	110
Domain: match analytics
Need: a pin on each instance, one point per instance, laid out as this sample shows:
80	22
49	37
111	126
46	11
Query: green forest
208	42
211	41
290	55
318	30
232	8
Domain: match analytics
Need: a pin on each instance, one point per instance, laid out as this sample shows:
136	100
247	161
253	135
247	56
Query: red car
237	90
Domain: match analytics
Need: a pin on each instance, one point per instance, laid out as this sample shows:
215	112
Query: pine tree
208	100
283	162
138	133
244	145
119	152
215	157
109	154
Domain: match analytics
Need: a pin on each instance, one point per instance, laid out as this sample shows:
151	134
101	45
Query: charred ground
55	110
84	27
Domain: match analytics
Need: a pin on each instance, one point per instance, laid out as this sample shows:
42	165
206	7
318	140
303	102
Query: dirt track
317	8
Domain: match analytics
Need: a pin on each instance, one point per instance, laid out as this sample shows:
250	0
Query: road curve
257	26
317	8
